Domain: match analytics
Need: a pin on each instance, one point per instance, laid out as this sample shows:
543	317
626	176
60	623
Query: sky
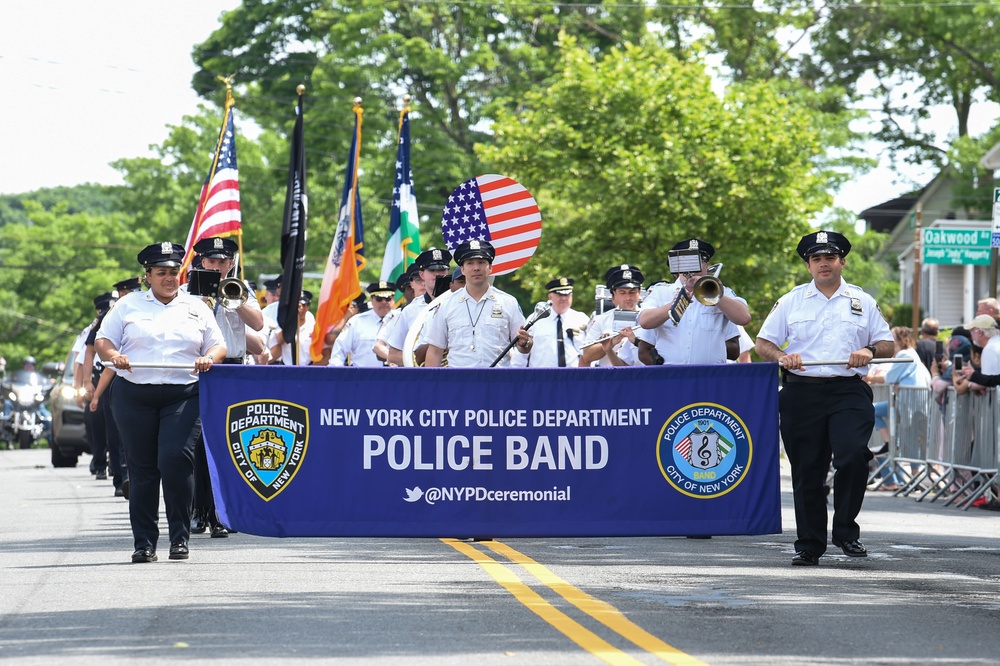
98	80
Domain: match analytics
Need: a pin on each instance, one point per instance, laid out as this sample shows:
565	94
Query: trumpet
233	293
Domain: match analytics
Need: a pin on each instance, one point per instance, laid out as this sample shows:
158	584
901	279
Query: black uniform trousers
159	425
95	423
820	420
204	500
116	452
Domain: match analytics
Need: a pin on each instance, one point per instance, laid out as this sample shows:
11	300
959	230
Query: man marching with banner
341	283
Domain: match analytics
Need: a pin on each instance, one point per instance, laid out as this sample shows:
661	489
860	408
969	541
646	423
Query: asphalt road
928	594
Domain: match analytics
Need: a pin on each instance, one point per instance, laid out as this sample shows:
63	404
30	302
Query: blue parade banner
422	452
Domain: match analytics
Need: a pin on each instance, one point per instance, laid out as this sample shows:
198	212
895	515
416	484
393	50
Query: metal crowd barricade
916	432
947	451
981	471
878	474
954	425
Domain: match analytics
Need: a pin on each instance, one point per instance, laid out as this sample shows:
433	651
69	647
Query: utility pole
915	319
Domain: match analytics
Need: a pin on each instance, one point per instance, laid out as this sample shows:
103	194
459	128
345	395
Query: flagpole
196	226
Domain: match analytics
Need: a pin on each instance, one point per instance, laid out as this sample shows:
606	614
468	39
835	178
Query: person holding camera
156	408
615	328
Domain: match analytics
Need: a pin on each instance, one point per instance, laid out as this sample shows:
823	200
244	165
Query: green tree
52	268
899	59
633	152
461	63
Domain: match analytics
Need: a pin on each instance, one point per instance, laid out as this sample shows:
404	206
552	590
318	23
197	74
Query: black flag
293	238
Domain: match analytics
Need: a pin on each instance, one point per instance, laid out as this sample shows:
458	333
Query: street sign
956	246
995	240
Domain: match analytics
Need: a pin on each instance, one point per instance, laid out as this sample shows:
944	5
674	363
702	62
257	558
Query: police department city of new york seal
267	441
704	450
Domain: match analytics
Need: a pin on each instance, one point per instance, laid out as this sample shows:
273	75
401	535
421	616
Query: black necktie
560	345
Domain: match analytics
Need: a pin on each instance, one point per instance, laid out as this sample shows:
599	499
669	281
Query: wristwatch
871	348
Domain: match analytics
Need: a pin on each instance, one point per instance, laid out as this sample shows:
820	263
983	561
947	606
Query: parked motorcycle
24	419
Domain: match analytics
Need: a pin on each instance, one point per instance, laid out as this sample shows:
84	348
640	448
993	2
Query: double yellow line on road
603	612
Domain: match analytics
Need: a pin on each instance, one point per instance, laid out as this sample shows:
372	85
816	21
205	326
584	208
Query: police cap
162	254
306	297
406	278
475	249
625	276
823	242
128	284
104	301
705	249
216	247
432	259
381	288
560	286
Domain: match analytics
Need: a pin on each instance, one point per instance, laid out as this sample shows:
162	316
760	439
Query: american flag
218	212
495	209
683	447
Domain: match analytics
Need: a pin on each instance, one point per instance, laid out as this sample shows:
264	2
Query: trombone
707	289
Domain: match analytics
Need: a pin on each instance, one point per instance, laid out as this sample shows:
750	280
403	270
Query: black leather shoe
146	554
198	522
179	551
125	488
804	558
119	492
852	548
219	531
102	475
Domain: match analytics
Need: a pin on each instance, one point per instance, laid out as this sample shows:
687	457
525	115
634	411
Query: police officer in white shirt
431	264
156	409
704	334
478	321
355	344
826	410
618	347
556	339
405	285
218	254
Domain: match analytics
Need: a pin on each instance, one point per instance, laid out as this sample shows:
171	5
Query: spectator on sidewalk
929	348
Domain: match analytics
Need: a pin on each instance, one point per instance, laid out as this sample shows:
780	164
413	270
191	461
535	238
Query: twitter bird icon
413	494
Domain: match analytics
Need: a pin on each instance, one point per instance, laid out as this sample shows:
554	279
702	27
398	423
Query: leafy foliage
633	152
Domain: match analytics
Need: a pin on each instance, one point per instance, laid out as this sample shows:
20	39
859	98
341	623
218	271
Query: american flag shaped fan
497	209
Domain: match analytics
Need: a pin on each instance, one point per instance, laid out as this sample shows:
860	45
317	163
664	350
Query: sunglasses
381	299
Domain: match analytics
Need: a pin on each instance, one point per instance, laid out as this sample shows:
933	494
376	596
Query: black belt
792	378
233	360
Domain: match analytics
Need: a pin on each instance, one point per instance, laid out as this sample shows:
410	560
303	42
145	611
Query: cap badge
562	282
436	254
474	245
166	247
693	244
218	244
821	237
626	275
